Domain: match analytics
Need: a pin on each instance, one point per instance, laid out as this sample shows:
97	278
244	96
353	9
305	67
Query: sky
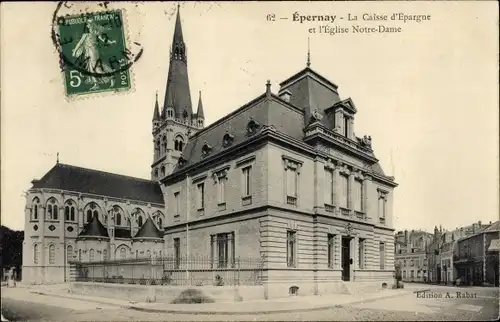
428	95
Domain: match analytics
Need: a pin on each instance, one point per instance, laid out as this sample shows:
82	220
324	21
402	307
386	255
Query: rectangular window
329	187
412	274
246	182
358	195
331	251
291	182
177	253
177	203
291	257
201	196
222	250
382	255
221	190
344	184
361	253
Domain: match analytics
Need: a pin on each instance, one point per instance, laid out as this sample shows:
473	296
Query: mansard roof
77	179
266	111
94	229
149	230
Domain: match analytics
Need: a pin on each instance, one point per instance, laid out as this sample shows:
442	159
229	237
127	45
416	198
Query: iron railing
196	271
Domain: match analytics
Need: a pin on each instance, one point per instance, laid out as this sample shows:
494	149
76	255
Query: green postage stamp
93	53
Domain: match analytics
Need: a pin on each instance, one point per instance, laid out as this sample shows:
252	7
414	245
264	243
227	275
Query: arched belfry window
119	215
164	144
34	208
139	220
179	143
69	211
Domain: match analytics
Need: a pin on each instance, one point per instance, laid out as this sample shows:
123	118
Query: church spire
177	94
156	112
200	113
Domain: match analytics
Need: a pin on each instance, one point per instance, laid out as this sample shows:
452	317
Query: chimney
285	95
490	222
479	223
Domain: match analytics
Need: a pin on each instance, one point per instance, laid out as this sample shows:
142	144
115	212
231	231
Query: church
283	178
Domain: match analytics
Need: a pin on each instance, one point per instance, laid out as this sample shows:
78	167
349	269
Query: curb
80	299
215	312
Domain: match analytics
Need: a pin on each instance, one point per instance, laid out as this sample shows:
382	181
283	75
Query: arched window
123	253
69	211
149	253
164	144
157	146
118	219
95	214
89	215
159	254
36	253
160	223
69	253
34	209
179	143
170	113
51	209
163	170
80	255
52	254
105	255
139	220
156	173
91	255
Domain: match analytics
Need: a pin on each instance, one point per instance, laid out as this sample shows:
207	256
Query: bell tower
176	122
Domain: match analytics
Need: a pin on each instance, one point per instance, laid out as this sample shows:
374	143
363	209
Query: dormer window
227	140
206	149
181	162
252	127
179	143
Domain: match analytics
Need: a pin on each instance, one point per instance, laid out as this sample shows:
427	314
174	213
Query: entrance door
346	258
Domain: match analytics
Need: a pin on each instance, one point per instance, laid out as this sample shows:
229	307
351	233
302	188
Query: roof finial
308	52
268	87
57	161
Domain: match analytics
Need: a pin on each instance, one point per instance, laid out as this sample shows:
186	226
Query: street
482	306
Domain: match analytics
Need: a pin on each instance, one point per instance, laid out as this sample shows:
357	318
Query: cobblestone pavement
482	306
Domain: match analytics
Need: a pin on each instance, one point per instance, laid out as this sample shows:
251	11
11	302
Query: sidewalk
282	305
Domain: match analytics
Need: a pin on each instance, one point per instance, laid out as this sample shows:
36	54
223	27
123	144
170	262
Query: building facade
411	255
283	178
475	263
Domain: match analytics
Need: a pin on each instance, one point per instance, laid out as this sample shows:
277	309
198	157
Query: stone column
350	134
367	202
319	184
338	251
350	199
354	255
337	188
339	121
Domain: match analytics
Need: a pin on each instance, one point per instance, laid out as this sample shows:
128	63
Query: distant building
411	254
476	262
440	251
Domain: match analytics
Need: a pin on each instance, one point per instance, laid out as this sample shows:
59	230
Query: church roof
149	230
77	179
94	229
122	233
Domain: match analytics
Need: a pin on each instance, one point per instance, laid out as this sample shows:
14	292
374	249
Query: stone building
283	178
411	255
74	213
476	261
